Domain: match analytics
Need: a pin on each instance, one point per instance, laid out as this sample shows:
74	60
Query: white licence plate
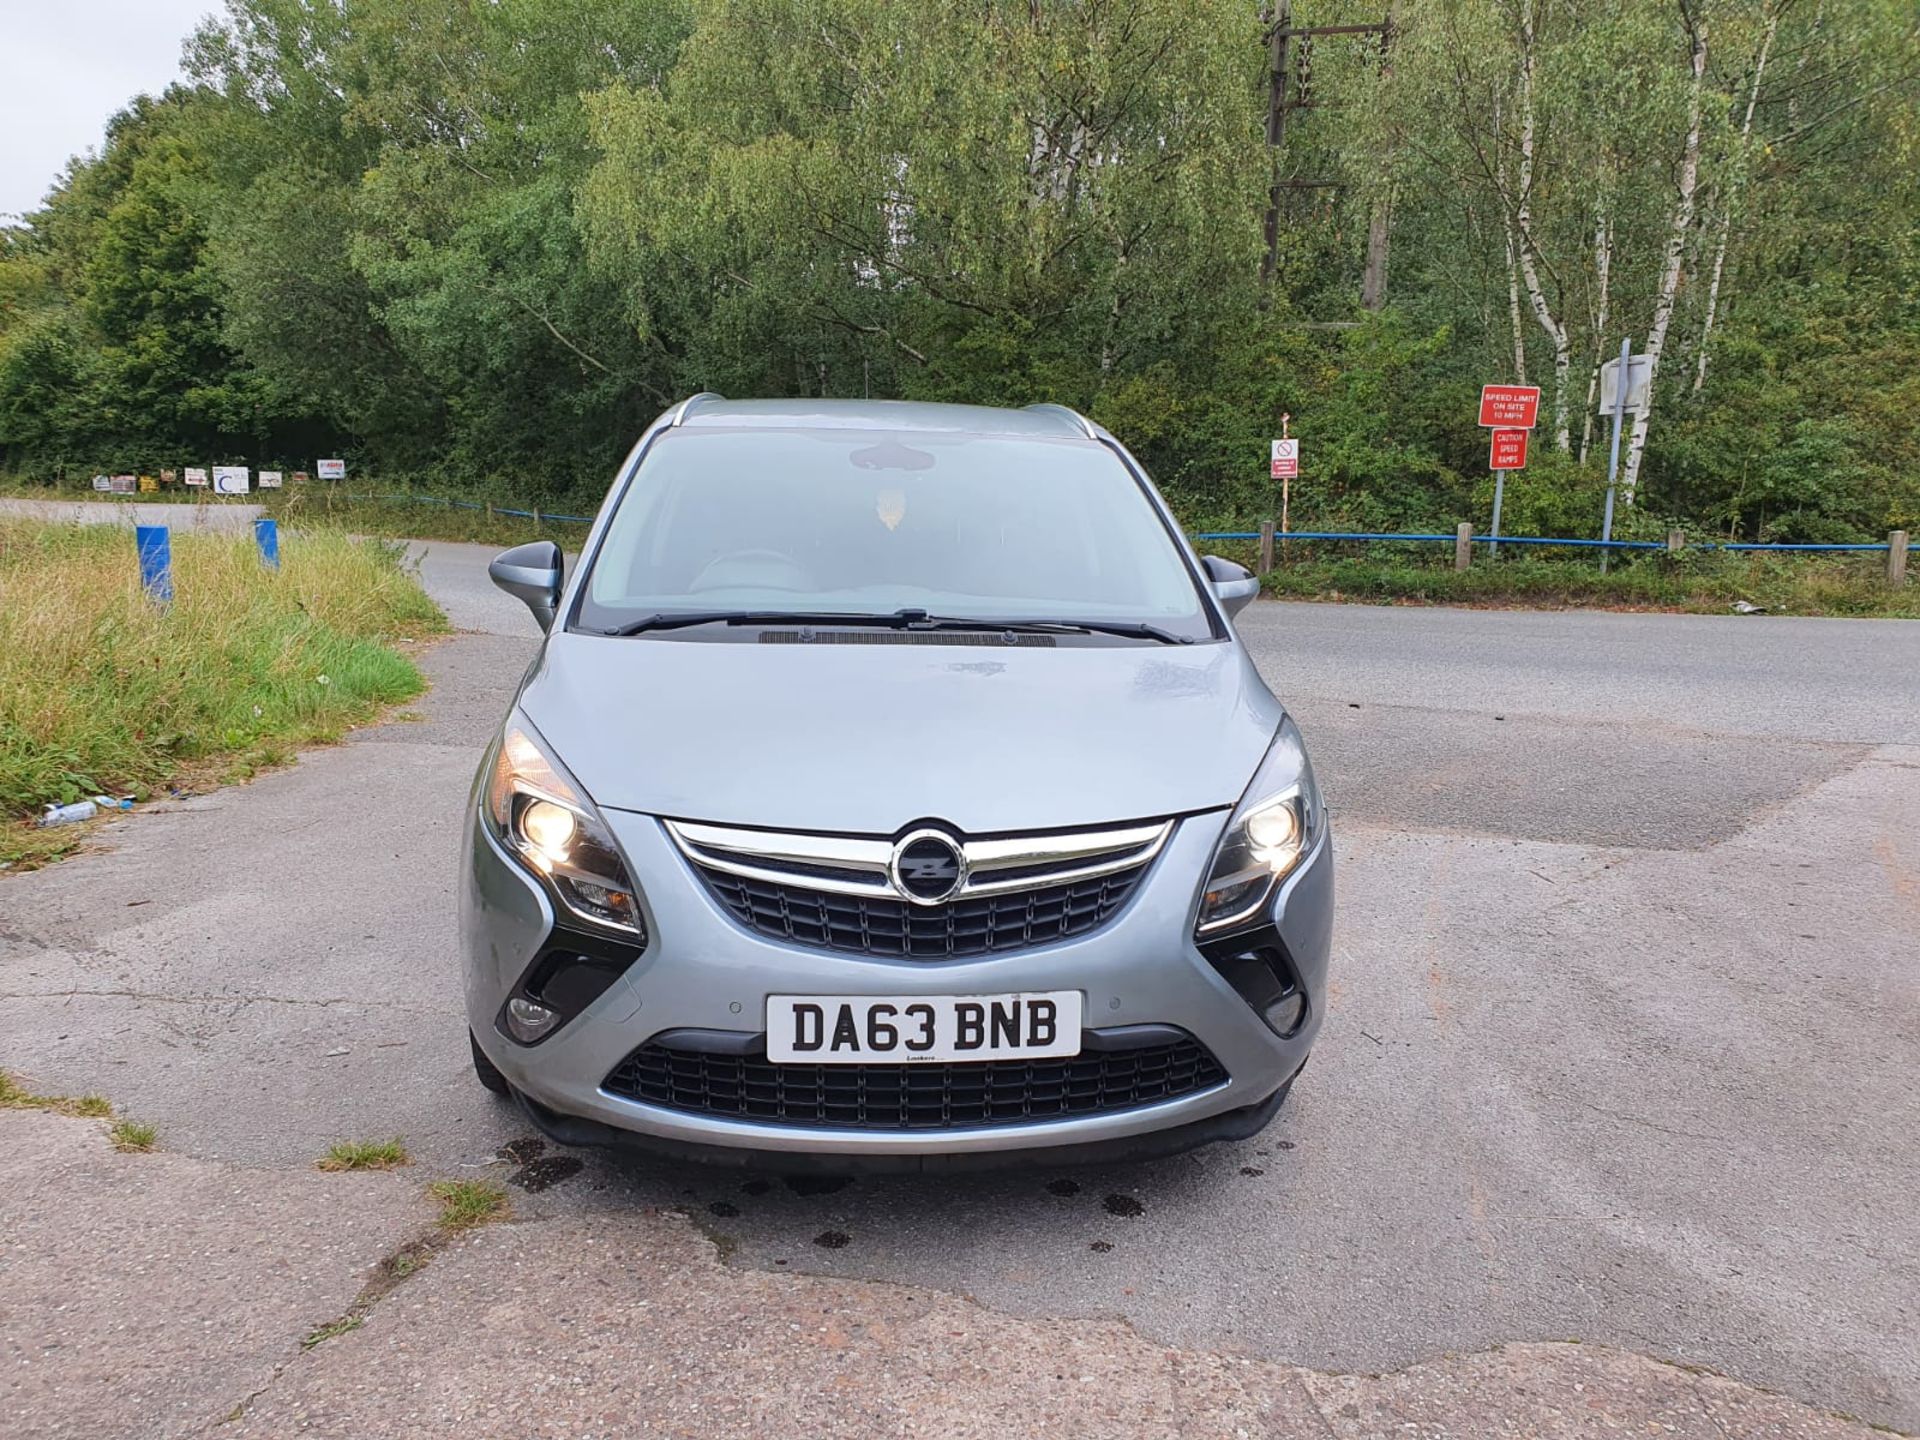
905	1029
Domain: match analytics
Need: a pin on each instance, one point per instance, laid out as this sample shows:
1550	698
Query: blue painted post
156	562
266	534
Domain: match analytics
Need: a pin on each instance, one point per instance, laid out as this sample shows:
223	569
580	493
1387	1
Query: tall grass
103	691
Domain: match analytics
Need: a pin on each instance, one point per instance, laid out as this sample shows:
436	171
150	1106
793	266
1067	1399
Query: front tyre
484	1069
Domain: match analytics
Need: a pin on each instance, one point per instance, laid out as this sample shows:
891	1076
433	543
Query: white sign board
230	480
269	479
1640	378
196	476
1286	459
103	482
331	470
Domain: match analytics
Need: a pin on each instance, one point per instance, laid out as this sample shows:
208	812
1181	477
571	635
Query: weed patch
16	1096
320	1334
131	1135
467	1203
364	1155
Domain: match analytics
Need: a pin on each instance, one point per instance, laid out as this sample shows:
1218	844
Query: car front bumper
703	971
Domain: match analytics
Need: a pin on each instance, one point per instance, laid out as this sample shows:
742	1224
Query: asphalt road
208	514
1621	1050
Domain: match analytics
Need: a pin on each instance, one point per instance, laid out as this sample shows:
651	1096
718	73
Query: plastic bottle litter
68	814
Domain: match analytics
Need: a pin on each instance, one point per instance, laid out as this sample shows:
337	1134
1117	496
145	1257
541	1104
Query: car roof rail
685	407
1079	421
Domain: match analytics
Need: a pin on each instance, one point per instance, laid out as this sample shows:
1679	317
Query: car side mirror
531	573
1233	585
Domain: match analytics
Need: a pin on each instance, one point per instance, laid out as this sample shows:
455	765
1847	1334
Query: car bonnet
864	738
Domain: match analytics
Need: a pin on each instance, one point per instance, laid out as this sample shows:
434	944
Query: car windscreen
817	521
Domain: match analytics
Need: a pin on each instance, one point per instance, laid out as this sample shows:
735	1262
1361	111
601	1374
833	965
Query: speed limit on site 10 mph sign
1509	407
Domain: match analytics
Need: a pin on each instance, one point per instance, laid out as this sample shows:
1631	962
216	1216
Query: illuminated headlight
1276	822
540	813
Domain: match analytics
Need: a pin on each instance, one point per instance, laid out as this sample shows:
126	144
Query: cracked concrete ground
158	1296
1620	1054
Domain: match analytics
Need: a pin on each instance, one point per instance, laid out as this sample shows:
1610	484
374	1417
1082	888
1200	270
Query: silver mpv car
891	790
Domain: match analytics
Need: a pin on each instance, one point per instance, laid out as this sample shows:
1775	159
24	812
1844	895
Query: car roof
1038	421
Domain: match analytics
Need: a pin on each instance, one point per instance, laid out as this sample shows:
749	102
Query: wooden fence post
1266	546
1676	541
1897	558
1463	546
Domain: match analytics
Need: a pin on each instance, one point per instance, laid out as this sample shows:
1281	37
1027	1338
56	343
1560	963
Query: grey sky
65	67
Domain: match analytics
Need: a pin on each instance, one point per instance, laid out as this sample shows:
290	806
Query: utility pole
1280	60
1373	280
1278	42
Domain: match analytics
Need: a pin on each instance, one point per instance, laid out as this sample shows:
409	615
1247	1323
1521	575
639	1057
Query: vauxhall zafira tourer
891	790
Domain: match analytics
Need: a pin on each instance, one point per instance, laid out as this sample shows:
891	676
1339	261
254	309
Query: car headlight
540	812
1276	822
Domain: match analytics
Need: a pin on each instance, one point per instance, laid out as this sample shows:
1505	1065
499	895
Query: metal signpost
1509	412
1623	387
1286	469
1506	451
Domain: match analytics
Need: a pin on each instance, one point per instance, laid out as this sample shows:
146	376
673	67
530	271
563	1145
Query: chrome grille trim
797	858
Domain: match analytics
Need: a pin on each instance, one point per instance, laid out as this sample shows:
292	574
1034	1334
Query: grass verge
364	1155
102	691
467	1203
407	519
1699	582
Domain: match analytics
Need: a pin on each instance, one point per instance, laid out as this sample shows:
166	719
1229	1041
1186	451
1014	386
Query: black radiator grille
913	1097
878	925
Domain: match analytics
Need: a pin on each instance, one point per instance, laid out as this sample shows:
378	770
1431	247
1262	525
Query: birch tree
1732	191
1679	228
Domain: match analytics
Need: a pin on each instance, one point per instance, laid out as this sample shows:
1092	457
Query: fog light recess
528	1020
1285	1013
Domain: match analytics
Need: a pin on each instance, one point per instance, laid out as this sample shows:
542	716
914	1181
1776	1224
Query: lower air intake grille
913	1097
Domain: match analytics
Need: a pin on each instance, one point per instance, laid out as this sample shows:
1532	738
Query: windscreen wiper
1132	629
907	619
683	619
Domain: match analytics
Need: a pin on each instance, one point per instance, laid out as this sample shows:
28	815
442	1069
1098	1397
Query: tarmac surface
1621	1053
208	514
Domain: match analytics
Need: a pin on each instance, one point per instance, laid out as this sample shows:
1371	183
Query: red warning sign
1509	450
